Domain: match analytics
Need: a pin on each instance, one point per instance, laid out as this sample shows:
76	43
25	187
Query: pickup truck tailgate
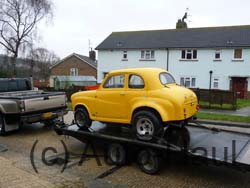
44	102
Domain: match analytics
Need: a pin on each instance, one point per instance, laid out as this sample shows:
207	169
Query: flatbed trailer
197	142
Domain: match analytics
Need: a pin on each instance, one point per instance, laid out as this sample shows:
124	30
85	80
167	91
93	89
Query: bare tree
18	20
41	59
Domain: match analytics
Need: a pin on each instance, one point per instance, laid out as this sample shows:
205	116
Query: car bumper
40	117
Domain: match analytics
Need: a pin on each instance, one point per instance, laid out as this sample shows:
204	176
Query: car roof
139	70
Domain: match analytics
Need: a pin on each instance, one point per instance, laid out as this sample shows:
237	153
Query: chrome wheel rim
145	126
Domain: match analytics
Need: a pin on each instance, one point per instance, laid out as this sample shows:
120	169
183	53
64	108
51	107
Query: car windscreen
166	78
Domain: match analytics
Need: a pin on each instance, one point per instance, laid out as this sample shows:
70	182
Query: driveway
175	173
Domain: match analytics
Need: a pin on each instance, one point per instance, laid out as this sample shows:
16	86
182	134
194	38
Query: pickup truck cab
20	103
146	99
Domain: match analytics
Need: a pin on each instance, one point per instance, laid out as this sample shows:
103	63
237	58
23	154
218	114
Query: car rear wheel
82	119
147	125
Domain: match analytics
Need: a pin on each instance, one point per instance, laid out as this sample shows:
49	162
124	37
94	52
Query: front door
239	85
110	100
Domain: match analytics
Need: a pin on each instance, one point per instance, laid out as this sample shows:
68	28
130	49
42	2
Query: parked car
147	99
21	103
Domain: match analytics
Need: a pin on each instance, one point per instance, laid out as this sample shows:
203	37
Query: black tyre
116	154
2	125
147	125
149	161
82	119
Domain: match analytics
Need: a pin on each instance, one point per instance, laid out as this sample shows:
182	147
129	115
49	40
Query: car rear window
3	85
14	85
166	78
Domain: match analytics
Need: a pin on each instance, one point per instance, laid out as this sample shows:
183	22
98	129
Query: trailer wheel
149	161
2	125
146	125
116	154
82	119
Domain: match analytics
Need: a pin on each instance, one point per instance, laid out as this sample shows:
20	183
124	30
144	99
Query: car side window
135	82
116	81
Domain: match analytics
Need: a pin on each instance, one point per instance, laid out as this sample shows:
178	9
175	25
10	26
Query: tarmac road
175	172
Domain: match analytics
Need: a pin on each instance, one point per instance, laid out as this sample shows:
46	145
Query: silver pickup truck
20	103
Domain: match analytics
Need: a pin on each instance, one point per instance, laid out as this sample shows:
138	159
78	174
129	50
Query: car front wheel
147	125
82	119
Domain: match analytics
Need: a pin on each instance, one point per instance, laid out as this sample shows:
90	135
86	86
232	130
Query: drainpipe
210	79
167	59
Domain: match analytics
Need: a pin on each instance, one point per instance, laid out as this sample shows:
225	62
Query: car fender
156	104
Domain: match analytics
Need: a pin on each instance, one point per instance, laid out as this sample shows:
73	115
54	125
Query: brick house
74	65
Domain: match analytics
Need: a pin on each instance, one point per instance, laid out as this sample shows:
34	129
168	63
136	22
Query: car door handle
122	94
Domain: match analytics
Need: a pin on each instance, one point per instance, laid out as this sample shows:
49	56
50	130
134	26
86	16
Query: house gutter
167	59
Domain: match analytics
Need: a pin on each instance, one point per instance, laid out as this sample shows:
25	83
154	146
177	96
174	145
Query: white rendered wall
112	60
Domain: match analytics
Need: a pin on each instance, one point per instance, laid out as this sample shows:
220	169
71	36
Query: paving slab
13	177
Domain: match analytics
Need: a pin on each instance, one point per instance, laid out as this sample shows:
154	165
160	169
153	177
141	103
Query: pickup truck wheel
149	161
82	119
146	125
2	125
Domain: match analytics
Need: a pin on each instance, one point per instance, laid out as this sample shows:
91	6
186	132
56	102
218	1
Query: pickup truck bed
29	106
35	100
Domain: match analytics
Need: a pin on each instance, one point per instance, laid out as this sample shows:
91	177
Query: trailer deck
217	146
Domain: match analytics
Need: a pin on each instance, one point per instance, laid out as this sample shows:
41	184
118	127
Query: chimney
92	55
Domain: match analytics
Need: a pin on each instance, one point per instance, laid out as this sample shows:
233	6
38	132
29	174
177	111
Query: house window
217	54
237	53
74	72
125	55
189	54
147	54
188	82
216	83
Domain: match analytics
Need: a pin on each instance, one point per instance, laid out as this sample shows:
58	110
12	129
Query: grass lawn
241	103
223	117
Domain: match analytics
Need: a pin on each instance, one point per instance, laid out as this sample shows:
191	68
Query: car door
110	99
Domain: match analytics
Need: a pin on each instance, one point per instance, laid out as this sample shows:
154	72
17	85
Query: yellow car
147	99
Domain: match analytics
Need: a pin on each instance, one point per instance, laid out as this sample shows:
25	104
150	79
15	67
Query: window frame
216	80
190	80
137	76
235	54
75	71
125	55
217	52
115	75
147	55
185	53
174	81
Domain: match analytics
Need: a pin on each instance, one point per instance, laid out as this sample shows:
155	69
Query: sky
76	22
